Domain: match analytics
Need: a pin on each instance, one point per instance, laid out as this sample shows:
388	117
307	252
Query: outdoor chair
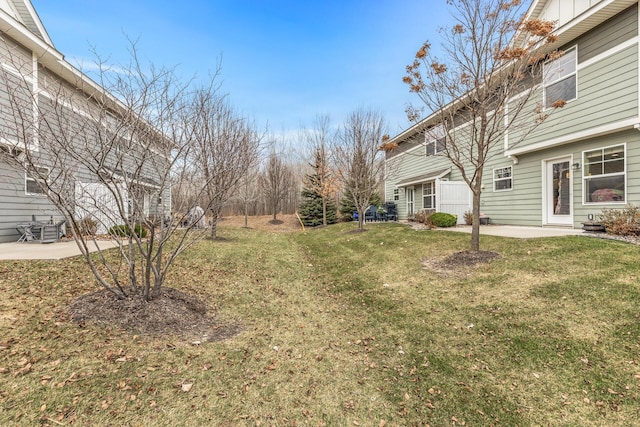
370	213
392	211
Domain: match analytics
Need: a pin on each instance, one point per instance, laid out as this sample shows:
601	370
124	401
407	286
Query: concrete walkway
520	232
58	250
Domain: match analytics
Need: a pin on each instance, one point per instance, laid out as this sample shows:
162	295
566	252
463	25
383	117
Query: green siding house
31	65
583	158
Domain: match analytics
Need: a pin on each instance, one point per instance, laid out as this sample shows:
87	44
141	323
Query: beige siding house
584	157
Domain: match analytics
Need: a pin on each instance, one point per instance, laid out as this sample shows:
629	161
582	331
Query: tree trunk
361	219
475	227
214	224
324	211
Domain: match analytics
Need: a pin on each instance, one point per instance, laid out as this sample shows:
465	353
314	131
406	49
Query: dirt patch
174	313
459	263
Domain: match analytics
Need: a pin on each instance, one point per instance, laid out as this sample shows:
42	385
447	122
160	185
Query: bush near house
124	230
423	217
622	222
468	218
441	219
87	226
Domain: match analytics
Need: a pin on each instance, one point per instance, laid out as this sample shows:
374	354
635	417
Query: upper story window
35	180
435	146
560	78
503	179
604	175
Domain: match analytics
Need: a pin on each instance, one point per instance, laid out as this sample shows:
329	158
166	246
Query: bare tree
105	155
359	159
324	183
225	148
248	191
482	89
276	183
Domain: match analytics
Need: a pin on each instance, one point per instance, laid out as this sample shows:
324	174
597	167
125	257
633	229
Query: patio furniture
26	230
370	213
41	232
392	211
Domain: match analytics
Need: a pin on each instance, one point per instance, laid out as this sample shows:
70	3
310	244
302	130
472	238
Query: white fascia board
628	124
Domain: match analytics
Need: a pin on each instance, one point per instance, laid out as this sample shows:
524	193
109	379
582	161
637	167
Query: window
604	175
33	177
435	146
429	195
396	194
503	179
560	78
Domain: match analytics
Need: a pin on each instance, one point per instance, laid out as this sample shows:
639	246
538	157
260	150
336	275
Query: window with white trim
429	195
503	179
35	180
434	146
604	175
560	78
396	194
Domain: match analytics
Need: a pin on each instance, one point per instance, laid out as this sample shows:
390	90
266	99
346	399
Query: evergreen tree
311	208
348	206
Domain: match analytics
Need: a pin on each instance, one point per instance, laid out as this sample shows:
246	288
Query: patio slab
57	250
519	232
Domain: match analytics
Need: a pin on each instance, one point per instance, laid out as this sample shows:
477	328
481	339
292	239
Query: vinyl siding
15	205
524	205
608	35
411	164
607	93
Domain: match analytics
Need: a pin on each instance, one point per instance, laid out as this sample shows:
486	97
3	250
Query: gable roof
24	14
574	19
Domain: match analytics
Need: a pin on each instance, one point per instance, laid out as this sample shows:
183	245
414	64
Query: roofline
55	62
536	6
52	59
38	22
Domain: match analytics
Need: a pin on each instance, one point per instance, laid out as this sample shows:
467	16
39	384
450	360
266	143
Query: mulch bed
173	313
468	258
459	264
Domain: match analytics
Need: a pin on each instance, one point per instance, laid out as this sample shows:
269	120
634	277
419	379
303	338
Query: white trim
35	180
585	134
433	194
585	177
604	55
410	201
510	178
545	191
420	181
436	143
580	66
574	73
35	106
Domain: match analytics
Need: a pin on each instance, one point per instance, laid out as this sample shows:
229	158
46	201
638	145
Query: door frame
411	200
547	179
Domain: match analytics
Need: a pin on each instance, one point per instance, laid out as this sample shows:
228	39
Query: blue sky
283	62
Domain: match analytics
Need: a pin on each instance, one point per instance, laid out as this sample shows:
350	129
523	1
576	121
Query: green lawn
342	328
